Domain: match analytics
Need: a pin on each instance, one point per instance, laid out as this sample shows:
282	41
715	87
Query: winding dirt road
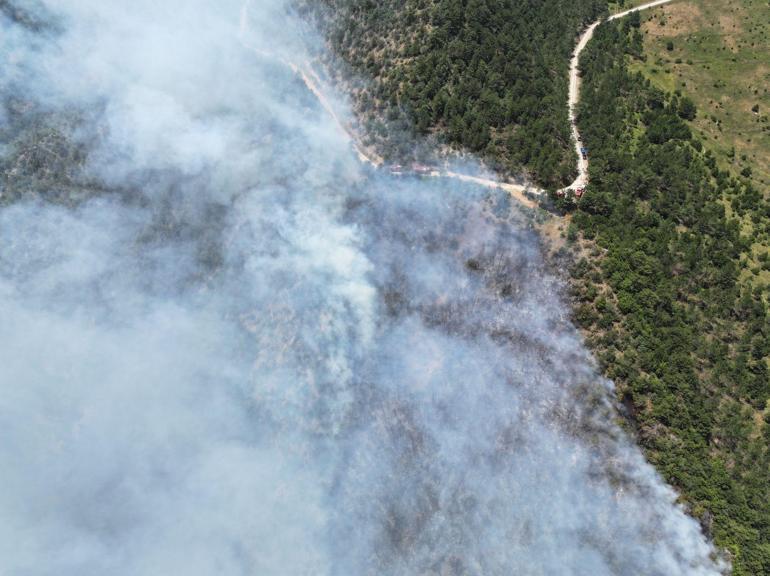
520	192
574	88
311	80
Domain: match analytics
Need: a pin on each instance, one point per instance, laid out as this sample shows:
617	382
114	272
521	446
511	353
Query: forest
660	277
488	76
685	340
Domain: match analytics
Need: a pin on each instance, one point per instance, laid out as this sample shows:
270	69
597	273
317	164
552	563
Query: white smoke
245	353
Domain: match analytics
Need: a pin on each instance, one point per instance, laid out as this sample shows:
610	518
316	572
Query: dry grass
717	52
676	17
720	57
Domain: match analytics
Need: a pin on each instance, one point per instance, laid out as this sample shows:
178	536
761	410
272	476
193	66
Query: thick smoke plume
229	348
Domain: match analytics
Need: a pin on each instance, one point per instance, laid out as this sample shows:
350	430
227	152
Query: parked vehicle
418	168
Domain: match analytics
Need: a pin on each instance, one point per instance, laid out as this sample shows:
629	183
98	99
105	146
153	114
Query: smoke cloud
230	348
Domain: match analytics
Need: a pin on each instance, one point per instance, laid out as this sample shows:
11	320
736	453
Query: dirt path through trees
574	90
520	192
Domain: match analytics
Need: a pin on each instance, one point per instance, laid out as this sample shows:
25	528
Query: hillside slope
665	307
488	76
669	277
719	56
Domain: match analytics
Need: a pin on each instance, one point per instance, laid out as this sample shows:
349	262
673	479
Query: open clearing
717	52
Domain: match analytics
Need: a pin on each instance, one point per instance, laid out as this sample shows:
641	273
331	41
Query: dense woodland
489	76
685	340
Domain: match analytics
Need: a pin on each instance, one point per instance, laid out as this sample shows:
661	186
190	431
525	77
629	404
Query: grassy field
717	52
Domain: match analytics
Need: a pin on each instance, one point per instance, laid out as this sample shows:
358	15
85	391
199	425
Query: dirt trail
520	192
311	80
574	88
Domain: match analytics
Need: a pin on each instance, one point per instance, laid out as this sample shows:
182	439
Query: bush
687	108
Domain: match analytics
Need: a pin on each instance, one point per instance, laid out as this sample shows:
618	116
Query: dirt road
521	193
574	88
311	80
